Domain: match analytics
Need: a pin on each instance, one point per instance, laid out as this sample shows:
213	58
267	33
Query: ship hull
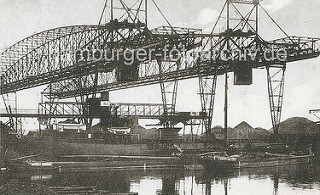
56	149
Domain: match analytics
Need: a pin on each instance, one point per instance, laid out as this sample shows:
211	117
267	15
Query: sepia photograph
160	97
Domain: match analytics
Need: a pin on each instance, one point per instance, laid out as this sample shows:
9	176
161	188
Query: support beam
275	76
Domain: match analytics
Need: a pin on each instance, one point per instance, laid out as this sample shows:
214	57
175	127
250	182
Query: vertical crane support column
168	95
275	76
207	86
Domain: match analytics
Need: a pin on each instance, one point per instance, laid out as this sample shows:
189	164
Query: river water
301	179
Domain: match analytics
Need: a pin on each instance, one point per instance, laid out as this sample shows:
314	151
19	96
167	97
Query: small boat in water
39	164
25	163
220	161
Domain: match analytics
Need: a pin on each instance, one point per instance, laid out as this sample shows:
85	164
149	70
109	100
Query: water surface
302	179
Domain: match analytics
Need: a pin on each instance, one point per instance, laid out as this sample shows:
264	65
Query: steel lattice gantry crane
45	58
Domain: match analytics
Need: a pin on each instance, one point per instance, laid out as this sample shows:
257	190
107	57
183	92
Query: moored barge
217	161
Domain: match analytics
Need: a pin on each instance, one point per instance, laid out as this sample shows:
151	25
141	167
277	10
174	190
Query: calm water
303	179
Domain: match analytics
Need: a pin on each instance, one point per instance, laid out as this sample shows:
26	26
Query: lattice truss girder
60	108
43	52
50	56
65	109
191	66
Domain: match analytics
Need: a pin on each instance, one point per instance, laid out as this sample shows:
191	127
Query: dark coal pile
16	187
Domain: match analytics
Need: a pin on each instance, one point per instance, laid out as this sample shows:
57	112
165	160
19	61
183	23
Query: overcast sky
20	19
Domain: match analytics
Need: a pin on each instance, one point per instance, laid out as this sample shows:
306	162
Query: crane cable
216	23
104	8
275	22
220	15
164	17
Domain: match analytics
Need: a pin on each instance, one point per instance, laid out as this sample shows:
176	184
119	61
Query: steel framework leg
84	109
88	117
275	76
50	108
49	111
207	87
10	102
168	95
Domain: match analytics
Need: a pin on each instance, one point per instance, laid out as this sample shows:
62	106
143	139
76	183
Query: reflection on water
284	180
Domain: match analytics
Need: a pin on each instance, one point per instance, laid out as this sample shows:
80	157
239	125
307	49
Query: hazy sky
20	19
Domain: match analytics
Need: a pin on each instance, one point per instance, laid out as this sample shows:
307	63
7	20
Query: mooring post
2	147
